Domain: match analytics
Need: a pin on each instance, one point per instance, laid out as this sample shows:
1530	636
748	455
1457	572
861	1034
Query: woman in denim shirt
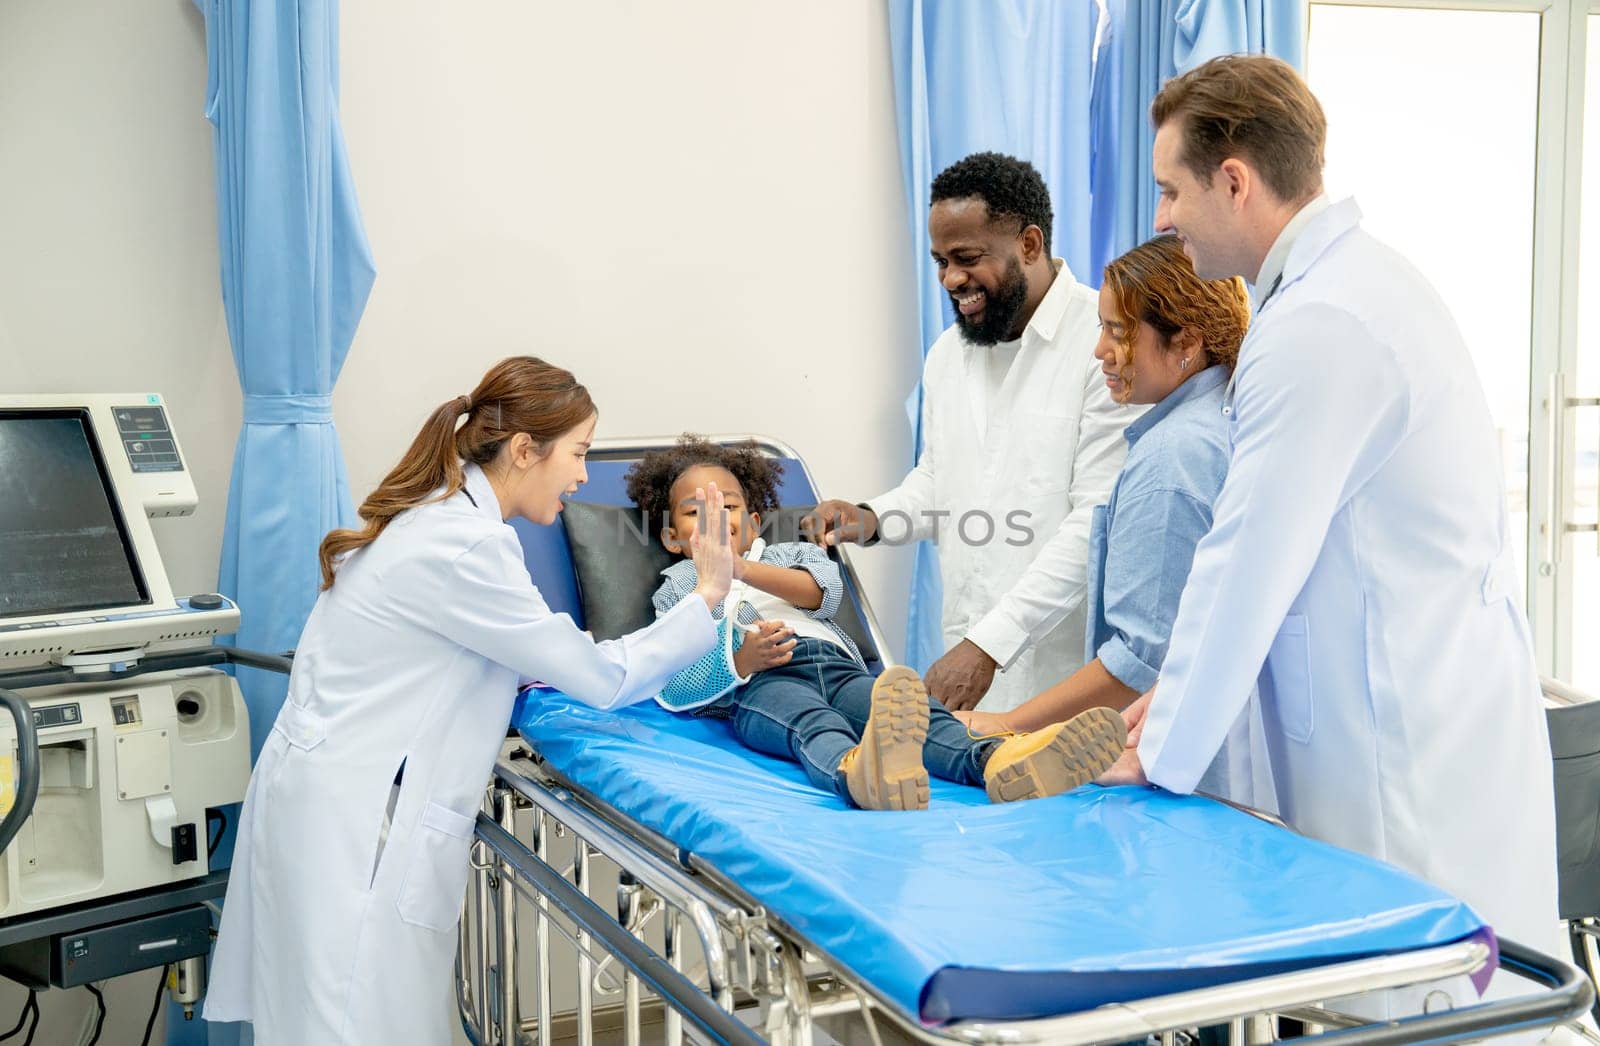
1168	339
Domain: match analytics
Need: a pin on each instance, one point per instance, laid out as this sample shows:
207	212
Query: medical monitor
80	571
63	544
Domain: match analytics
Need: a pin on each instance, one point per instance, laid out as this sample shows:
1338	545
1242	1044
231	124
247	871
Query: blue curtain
296	272
1067	85
1013	76
1147	43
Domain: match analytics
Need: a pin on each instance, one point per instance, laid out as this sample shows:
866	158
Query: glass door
1464	216
1578	429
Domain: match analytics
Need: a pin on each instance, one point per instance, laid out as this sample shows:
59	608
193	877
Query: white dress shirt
1008	488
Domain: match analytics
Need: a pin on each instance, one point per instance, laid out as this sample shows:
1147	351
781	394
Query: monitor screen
63	544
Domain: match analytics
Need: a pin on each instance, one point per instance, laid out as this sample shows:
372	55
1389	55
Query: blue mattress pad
971	911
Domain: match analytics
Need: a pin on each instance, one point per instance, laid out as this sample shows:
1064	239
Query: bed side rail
679	992
793	999
1569	996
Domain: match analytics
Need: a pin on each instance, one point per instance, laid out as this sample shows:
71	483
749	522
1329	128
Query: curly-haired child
802	690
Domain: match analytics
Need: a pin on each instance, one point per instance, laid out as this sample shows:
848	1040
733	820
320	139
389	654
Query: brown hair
519	394
1156	283
1250	106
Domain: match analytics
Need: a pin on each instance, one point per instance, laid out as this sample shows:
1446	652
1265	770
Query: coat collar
1271	274
1053	306
479	493
1202	383
1320	233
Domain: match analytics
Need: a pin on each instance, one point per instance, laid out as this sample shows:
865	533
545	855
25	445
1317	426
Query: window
1584	472
1448	121
1394	142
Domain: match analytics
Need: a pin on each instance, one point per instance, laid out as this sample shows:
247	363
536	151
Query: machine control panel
193	605
57	715
137	944
147	439
125	710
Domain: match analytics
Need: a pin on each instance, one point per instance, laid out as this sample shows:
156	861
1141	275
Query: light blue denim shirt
1143	539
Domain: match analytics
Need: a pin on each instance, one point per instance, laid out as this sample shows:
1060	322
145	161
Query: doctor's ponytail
519	394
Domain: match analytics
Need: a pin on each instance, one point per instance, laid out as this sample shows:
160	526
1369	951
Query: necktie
1271	290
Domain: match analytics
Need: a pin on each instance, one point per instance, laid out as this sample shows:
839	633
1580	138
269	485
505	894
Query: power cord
155	1007
100	1018
29	1009
222	829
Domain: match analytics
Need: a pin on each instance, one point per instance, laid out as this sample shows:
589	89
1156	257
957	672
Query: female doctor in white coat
338	929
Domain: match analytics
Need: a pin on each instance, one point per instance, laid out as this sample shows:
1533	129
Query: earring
1185	365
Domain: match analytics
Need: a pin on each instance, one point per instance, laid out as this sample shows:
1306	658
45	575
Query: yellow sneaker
1056	759
885	771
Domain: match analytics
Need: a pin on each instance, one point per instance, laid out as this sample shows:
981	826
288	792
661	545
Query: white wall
108	241
108	280
695	206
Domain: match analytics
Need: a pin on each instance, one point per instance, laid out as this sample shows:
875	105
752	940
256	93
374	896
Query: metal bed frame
760	968
758	964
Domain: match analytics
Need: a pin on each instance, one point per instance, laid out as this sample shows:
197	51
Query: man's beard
1000	311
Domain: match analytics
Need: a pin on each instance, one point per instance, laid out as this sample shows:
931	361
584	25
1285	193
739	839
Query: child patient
803	691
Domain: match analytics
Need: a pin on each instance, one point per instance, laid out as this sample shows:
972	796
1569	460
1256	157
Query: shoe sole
891	772
1085	748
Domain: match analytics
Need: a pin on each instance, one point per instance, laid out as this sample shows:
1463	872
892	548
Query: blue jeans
813	710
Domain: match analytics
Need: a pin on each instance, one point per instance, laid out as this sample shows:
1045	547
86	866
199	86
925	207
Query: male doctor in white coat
1020	441
1360	561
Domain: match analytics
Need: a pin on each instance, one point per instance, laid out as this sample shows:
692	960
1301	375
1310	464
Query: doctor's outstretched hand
1127	770
712	547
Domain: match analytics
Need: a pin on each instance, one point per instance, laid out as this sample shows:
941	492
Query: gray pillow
618	569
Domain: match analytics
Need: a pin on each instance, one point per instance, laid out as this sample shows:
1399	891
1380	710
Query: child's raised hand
711	545
770	645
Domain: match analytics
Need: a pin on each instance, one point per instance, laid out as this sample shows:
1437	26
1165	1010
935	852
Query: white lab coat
1360	563
1050	451
413	656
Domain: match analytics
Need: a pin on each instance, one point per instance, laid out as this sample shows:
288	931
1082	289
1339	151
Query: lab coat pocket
1289	672
1499	579
303	728
436	874
1042	444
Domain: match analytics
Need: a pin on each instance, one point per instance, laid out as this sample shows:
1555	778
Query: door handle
1566	403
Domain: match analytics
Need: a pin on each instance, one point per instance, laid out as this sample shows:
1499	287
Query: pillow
618	570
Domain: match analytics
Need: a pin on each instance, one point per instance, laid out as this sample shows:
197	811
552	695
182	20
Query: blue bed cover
974	911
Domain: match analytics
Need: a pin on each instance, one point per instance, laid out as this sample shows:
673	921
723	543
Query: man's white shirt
1007	482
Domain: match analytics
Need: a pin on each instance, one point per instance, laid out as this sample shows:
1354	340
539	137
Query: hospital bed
1101	916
